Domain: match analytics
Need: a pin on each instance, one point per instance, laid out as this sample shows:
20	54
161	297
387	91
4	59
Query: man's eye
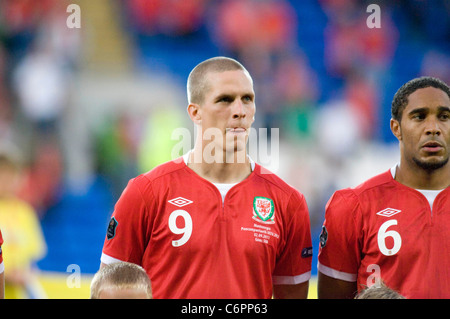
444	116
225	99
418	116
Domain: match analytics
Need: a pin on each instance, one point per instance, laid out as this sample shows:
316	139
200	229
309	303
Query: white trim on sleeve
108	259
2	267
291	280
330	272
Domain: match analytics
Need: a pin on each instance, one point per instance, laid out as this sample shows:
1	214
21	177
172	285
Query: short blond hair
379	291
120	275
197	81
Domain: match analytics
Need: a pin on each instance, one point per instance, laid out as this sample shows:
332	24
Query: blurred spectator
41	84
40	55
156	143
23	240
338	135
42	178
259	24
350	44
168	17
297	90
363	97
338	130
128	144
6	112
359	56
437	64
18	23
116	150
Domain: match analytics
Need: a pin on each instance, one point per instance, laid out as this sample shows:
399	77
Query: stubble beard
430	166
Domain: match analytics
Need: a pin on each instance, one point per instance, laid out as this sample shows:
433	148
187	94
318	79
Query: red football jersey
192	244
384	229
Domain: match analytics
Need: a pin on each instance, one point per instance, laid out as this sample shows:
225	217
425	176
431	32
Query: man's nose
433	127
238	109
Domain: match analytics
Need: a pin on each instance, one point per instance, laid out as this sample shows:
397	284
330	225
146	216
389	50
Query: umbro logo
388	212
180	201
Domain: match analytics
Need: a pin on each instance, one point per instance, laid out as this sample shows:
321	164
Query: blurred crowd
38	59
321	76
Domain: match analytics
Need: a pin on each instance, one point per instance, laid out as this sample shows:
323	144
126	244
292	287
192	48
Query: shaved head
197	82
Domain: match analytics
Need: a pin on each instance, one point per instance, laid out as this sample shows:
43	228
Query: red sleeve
340	249
294	262
128	230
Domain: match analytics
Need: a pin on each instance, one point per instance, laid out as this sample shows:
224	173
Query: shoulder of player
368	185
376	181
352	196
276	181
161	170
146	183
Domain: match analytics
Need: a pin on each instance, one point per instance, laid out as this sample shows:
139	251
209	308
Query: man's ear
396	129
194	112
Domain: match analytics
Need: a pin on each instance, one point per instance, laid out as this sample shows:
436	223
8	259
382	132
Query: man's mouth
432	147
236	130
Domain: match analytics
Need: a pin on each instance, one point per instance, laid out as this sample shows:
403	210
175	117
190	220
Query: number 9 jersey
385	230
194	244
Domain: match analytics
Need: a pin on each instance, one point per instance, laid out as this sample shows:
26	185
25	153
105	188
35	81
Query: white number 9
186	230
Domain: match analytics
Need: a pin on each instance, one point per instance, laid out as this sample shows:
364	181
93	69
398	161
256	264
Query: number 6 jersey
385	230
192	244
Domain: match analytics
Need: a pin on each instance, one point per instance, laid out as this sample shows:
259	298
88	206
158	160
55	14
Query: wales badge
263	210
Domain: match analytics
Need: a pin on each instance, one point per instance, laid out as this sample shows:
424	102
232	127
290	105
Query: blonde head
197	83
120	276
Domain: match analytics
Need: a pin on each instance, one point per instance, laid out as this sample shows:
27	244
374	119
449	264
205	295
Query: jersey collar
186	158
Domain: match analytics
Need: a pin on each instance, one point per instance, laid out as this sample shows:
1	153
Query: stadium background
88	108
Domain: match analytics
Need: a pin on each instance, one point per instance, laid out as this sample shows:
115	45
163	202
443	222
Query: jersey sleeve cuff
108	259
330	272
291	280
2	267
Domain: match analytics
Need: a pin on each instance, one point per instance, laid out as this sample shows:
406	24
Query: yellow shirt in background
23	243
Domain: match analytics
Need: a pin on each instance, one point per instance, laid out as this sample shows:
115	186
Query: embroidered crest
263	210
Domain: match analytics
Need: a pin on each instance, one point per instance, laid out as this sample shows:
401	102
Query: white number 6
383	234
186	230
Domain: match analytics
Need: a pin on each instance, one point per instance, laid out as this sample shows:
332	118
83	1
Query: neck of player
416	177
225	168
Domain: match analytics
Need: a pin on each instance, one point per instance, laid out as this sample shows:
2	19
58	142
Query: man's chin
431	164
